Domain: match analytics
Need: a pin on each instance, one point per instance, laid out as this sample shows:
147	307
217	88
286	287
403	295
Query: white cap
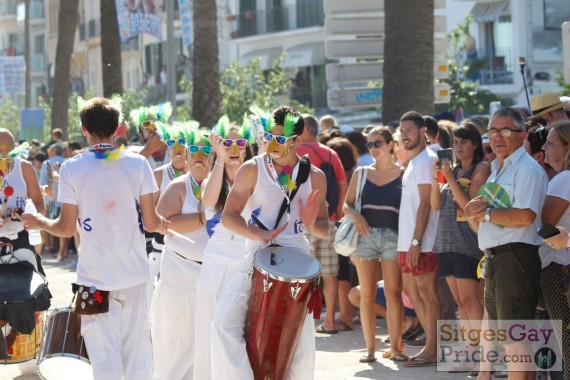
344	129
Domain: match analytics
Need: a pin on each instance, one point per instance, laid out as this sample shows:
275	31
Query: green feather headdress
223	126
192	133
266	118
165	131
116	99
246	129
19	151
160	112
289	124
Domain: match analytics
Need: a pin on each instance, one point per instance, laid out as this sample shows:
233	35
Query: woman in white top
225	249
554	278
174	301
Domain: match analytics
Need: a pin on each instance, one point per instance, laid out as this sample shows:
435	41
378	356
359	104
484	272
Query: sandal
344	326
368	359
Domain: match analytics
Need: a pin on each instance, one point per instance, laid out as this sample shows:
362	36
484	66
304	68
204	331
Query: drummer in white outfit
174	301
256	188
107	195
225	248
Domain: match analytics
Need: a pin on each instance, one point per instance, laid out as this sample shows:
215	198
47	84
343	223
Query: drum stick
180	236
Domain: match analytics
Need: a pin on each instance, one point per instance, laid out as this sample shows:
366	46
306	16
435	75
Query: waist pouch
89	300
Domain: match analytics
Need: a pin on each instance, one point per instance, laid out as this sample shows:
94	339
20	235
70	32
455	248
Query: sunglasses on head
375	144
241	143
281	140
206	150
149	124
171	142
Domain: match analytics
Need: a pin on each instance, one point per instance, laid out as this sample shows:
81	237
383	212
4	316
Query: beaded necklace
106	151
174	173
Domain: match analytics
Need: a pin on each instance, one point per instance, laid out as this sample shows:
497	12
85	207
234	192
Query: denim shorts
379	244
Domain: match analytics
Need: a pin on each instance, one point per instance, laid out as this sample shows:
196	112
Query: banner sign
138	17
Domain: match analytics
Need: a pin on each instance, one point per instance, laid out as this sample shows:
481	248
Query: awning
305	55
489	12
266	57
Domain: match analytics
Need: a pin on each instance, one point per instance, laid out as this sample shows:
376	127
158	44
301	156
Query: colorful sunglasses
171	142
206	150
281	140
241	143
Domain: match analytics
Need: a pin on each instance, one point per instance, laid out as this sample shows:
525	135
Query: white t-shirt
418	172
112	252
559	187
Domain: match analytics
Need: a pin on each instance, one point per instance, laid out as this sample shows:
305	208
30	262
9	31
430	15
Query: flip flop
367	359
345	326
419	361
321	330
399	358
412	334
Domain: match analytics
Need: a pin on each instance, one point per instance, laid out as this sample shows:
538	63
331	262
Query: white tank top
15	180
266	202
200	236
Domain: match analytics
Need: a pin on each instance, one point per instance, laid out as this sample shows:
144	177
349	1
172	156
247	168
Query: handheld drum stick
178	235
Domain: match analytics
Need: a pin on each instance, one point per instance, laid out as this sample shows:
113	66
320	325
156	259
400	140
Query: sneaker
72	264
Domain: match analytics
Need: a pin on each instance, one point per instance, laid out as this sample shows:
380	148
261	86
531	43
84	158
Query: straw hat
544	103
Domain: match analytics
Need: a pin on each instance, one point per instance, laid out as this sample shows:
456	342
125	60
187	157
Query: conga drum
63	353
282	284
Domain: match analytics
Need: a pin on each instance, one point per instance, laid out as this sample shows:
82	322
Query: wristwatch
416	242
488	214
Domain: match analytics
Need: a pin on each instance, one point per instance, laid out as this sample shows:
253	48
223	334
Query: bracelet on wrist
218	164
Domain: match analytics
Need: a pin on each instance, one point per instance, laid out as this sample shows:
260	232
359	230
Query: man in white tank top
308	214
108	194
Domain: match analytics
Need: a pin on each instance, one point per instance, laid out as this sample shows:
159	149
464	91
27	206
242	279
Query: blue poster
137	17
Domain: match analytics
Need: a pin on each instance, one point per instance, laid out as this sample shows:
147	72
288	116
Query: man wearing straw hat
548	106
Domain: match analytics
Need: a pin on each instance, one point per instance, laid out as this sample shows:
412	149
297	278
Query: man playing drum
260	185
107	194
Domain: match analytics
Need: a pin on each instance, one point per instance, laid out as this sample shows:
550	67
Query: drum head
19	283
65	367
287	264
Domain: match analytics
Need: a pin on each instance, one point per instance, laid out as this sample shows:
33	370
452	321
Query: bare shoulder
317	175
483	167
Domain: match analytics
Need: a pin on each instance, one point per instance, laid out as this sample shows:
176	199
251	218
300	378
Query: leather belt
490	252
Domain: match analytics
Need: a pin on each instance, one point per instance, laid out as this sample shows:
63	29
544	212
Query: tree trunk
408	58
110	49
206	95
67	24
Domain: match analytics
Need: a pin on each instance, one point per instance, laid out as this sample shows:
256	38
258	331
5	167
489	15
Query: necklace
196	187
284	179
106	151
174	173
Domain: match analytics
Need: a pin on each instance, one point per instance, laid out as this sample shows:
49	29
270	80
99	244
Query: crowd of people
168	229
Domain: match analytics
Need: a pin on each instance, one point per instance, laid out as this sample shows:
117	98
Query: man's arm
63	226
33	187
153	143
151	220
314	214
422	219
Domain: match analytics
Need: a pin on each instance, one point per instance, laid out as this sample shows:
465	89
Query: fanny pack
89	300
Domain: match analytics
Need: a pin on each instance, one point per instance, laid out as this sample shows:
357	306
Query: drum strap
302	176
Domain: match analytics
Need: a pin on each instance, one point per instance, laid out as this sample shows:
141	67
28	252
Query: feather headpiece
160	112
289	124
19	151
266	118
246	129
223	126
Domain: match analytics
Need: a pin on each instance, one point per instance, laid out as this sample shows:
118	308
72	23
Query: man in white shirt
416	234
507	229
108	195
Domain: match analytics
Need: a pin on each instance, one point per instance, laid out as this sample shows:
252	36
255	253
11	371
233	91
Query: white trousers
213	279
118	342
172	314
227	336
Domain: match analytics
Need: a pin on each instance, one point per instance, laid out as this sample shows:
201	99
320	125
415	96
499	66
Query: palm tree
408	58
110	49
67	24
206	95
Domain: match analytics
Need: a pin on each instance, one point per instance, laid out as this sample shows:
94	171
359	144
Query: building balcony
89	30
131	44
36	12
303	14
497	66
8	9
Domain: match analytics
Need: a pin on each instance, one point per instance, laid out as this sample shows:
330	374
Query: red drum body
16	347
282	285
63	353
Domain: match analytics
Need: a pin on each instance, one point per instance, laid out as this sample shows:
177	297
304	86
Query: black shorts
457	265
345	269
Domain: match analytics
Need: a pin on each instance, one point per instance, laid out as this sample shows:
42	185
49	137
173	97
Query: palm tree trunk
206	95
408	58
110	49
67	24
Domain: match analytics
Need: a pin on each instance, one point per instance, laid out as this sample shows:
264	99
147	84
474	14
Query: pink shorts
426	263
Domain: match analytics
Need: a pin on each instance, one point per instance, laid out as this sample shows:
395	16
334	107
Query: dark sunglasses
241	143
206	150
488	150
375	144
171	142
281	140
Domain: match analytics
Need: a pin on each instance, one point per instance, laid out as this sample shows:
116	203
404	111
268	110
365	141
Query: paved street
337	355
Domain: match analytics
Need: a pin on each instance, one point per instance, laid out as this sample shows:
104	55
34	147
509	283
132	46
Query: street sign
441	69
440	47
335	7
354	72
359	48
361	97
566	50
360	25
442	93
